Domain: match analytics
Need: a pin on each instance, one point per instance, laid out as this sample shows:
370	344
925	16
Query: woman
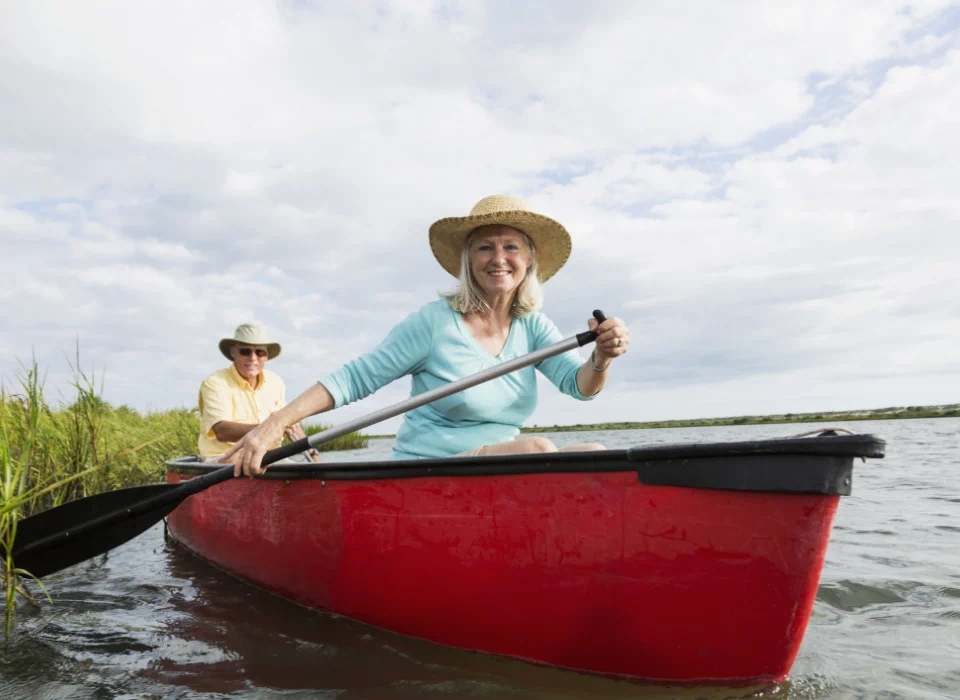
500	253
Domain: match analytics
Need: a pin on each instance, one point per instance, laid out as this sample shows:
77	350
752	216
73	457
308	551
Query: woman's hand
247	453
613	339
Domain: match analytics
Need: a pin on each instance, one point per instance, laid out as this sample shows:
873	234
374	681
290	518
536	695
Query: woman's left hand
613	338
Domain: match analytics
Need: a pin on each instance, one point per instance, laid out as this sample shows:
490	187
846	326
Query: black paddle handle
591	336
293	448
225	473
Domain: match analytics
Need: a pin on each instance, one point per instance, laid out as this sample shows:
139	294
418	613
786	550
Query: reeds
49	456
352	441
23	485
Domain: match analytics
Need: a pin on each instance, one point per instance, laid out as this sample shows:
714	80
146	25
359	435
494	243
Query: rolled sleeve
215	405
334	385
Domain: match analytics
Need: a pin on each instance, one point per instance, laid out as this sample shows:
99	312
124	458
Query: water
151	621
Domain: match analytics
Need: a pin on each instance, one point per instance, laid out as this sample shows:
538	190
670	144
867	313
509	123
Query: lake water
151	621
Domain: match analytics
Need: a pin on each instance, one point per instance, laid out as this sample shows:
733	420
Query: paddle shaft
200	483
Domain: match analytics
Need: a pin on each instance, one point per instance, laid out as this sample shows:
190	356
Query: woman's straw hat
250	334
551	239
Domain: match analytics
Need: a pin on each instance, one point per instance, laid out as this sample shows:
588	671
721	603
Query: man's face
248	359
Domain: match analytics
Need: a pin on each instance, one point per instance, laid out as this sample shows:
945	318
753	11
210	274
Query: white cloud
767	194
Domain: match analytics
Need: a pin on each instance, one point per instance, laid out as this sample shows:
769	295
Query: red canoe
676	563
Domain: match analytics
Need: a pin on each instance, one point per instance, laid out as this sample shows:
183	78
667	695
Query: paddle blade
60	537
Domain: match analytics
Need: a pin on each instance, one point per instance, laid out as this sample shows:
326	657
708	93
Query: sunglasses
246	352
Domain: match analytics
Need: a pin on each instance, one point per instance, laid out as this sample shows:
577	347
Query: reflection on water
151	621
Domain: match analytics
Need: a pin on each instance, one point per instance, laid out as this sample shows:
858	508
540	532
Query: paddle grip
591	336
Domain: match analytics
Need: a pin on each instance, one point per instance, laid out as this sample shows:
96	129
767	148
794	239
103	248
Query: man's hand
248	452
295	432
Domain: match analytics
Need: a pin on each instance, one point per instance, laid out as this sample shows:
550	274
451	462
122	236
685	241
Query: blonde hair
469	298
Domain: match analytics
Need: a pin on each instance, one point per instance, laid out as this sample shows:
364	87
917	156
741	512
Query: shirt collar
242	381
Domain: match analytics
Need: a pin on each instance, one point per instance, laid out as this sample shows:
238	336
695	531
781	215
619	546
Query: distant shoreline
895	413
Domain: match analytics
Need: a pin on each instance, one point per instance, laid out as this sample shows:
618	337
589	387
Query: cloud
765	193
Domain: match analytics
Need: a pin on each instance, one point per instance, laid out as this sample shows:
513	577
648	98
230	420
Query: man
234	400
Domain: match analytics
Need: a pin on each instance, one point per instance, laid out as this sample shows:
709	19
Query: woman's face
499	258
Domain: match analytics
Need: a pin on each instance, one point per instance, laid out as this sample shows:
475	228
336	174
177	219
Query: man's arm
228	431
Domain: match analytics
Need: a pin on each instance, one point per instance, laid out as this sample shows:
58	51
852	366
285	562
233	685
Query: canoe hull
590	571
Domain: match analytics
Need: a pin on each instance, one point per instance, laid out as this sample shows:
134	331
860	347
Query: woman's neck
501	307
491	328
497	318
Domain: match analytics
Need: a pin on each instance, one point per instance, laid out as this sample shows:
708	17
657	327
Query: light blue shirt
435	346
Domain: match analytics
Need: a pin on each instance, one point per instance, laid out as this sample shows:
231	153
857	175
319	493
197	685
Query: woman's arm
400	353
591	381
572	376
613	338
248	452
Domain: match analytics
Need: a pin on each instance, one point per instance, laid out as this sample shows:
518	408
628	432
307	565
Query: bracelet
594	364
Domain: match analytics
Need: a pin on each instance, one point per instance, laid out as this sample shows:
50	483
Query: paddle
79	530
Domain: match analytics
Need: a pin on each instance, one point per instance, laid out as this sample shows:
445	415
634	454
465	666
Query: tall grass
51	455
352	441
24	485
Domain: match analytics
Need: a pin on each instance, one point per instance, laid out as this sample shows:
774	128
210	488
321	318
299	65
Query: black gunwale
793	465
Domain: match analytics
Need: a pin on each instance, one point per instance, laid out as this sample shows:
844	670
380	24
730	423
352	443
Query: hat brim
551	239
273	349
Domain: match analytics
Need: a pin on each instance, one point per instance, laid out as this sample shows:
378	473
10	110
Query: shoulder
431	316
436	310
217	380
538	322
540	329
272	377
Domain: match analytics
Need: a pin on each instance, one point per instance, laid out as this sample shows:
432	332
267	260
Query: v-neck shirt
435	347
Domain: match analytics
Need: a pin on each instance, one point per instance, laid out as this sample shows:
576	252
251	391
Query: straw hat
551	239
250	334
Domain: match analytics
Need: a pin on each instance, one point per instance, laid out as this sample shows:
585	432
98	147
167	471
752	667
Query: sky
768	194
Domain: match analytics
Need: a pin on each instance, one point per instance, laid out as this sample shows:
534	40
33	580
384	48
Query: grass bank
51	454
352	441
891	413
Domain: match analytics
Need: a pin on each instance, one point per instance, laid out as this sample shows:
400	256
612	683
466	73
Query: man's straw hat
551	239
250	334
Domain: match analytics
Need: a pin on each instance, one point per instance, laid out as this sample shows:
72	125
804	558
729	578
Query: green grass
351	441
53	454
891	413
46	458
